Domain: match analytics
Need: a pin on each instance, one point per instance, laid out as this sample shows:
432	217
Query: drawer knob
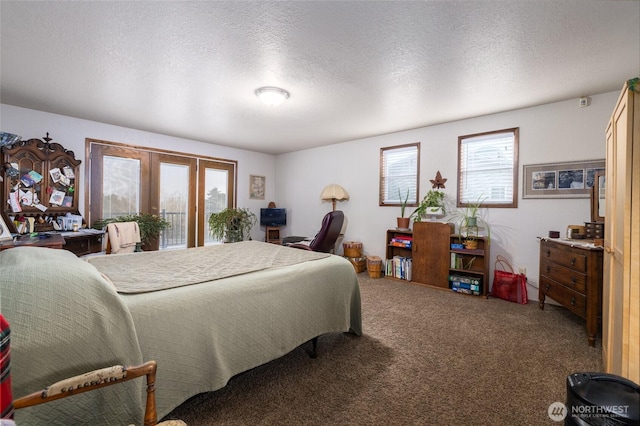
547	287
574	280
548	269
548	253
573	301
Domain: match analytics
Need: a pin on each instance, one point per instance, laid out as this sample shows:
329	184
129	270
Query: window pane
174	204
487	168
120	186
216	198
399	168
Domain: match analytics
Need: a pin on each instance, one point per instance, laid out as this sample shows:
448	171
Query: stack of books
402	241
464	284
398	267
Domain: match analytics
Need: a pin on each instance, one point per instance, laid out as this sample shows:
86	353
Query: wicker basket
352	249
374	266
359	263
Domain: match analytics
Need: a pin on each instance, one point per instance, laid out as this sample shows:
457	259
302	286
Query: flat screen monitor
273	217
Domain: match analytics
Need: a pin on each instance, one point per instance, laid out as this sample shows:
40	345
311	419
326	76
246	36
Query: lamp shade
333	193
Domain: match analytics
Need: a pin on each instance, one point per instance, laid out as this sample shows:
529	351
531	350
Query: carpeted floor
427	357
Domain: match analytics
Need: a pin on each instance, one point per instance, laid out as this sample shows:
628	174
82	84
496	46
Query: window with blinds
488	168
399	174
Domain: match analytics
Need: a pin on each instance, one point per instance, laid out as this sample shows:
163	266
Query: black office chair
326	238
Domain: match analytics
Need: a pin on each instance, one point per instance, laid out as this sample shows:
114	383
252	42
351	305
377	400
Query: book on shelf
465	279
456	261
401	241
465	284
399	267
399	244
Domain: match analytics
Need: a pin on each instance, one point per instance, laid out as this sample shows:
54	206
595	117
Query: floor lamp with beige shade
333	193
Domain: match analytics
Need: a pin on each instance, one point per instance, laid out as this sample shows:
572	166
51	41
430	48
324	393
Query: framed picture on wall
560	180
256	187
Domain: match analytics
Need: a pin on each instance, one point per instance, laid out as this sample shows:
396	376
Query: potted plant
469	222
433	204
232	225
150	225
403	222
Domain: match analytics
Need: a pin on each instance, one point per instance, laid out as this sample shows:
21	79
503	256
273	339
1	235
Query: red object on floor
6	397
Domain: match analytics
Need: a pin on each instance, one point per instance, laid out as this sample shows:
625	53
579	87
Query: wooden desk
55	241
83	242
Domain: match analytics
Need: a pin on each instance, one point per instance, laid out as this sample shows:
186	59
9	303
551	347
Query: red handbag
508	285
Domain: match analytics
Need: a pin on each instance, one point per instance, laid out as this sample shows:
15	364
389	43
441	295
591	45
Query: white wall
71	133
549	133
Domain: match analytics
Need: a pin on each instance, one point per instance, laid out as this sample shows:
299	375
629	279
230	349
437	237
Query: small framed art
256	187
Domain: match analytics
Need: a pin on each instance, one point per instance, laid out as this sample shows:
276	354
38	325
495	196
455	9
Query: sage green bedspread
201	335
66	320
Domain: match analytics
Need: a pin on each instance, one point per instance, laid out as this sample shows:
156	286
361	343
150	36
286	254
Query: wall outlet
522	271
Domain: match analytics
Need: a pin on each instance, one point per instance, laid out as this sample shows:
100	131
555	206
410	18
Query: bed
70	315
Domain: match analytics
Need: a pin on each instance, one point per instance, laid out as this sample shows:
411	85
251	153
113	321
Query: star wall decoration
438	182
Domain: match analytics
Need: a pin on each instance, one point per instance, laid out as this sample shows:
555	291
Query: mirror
598	198
601	199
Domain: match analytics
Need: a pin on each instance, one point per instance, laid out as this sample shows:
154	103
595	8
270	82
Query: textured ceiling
354	69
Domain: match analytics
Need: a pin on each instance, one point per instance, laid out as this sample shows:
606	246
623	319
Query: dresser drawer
564	257
566	276
571	274
572	300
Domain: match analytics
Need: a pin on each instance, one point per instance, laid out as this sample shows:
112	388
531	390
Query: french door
128	180
215	193
173	186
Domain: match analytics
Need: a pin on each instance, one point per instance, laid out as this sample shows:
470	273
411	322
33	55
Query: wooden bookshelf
473	264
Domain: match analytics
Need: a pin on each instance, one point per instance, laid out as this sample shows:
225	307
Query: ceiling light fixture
272	96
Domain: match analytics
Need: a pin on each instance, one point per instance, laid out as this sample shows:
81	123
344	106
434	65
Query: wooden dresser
571	274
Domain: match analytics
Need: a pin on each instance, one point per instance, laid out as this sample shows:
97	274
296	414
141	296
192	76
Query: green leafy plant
434	199
150	224
469	219
403	203
232	225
